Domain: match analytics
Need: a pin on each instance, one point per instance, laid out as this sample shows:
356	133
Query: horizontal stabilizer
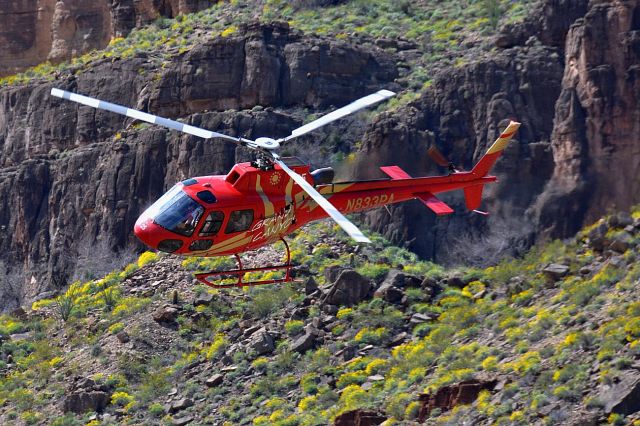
395	172
435	204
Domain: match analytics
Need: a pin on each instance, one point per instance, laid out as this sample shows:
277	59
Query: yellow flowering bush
376	366
147	257
367	335
123	399
490	363
217	347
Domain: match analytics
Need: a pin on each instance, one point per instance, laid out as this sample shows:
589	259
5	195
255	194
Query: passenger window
199	245
212	224
239	220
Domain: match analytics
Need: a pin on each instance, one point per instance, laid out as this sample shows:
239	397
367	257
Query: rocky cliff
569	73
55	30
72	173
597	120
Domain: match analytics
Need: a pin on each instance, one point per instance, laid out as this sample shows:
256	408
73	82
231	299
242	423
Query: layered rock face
463	113
575	156
34	31
71	173
597	121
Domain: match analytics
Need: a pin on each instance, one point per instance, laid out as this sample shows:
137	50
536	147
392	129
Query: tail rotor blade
143	116
437	156
333	212
354	106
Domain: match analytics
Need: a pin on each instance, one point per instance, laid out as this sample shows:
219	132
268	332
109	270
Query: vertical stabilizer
488	160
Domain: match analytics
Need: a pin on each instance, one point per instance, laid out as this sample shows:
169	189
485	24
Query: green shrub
264	301
156	409
373	337
294	327
115	328
110	298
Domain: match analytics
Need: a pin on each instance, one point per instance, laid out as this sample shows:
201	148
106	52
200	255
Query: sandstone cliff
55	30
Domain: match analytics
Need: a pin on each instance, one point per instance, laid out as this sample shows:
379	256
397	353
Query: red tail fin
489	159
473	196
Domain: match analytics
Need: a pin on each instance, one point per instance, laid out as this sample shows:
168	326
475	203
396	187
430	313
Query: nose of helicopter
155	236
144	229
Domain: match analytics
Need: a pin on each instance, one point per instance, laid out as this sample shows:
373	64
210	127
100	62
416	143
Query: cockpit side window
239	220
212	224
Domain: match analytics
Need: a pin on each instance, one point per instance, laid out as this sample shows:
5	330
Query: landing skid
239	273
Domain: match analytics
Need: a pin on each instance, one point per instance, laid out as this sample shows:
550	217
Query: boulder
166	314
332	272
620	220
203	298
85	396
450	396
419	318
310	286
621	242
401	279
181	421
214	380
554	271
300	313
389	292
82	401
622	397
395	278
261	342
123	336
304	343
598	236
180	405
456	281
349	288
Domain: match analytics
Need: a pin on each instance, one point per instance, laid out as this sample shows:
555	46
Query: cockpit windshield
177	212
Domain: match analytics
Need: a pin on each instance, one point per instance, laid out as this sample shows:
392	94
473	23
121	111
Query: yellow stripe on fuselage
329	190
268	205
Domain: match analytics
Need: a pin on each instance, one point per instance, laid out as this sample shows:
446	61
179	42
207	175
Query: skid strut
239	273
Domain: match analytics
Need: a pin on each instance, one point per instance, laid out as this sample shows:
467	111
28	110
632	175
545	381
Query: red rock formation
36	31
449	396
359	418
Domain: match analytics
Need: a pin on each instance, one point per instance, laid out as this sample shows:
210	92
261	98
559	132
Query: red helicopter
260	202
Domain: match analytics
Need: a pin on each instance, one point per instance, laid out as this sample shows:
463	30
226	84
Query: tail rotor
438	157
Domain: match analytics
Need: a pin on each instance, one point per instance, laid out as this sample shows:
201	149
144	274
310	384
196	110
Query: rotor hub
267	143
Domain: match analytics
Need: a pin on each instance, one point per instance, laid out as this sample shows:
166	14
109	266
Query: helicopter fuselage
251	207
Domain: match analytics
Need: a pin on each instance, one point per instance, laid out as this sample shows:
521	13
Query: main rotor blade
338	217
354	106
143	116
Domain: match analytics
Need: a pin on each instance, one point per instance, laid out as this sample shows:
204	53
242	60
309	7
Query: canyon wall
569	73
34	31
70	173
